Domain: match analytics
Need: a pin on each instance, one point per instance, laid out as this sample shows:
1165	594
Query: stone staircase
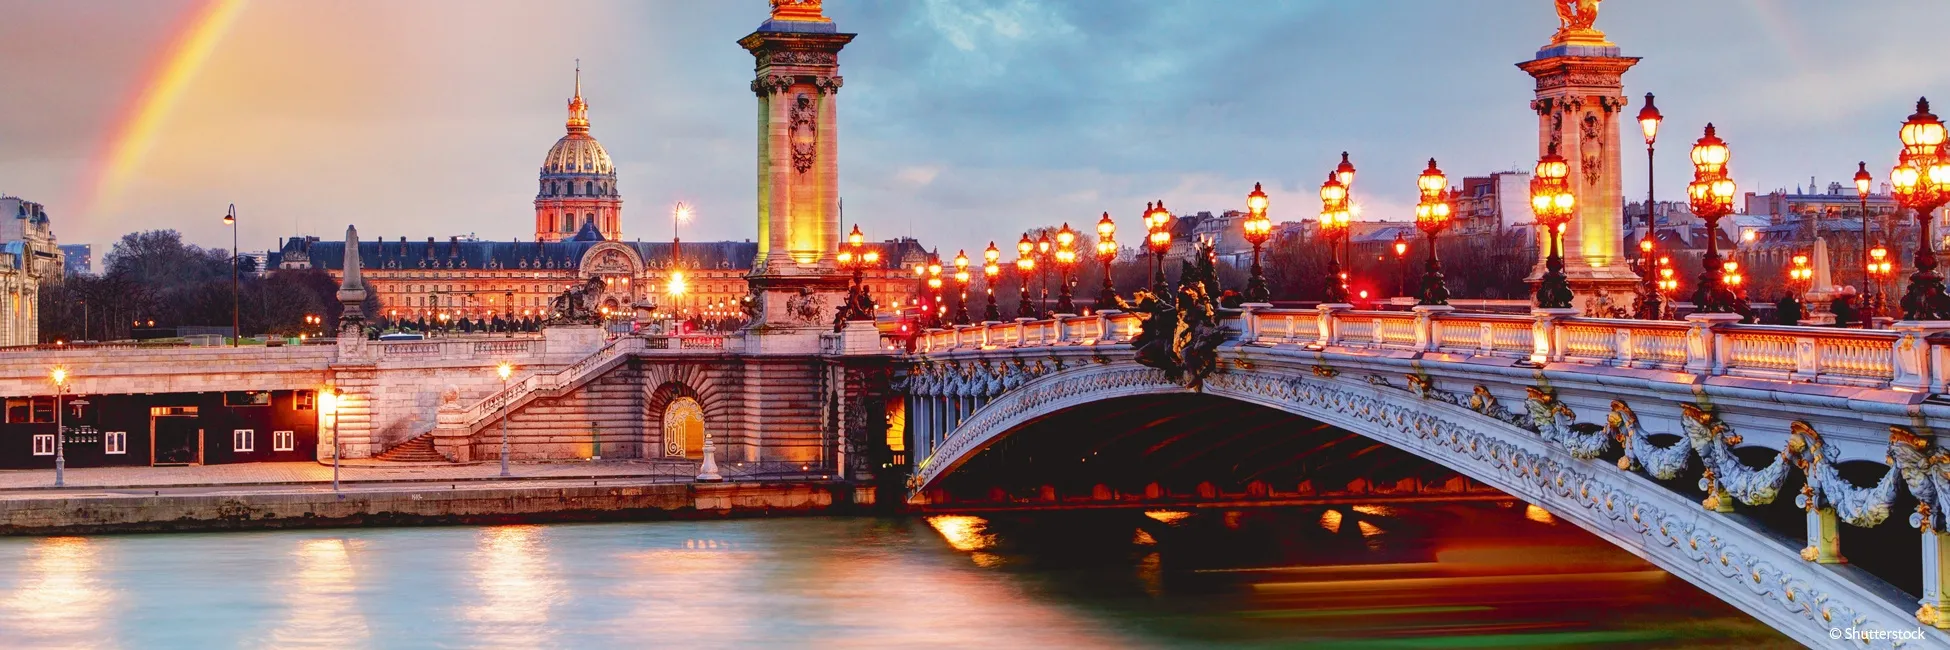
418	449
550	384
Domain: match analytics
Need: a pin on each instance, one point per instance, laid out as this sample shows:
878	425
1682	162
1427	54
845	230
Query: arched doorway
684	429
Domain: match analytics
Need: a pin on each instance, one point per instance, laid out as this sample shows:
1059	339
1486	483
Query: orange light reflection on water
60	600
322	601
518	588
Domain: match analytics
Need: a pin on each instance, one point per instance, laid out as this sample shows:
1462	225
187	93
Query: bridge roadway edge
1747	567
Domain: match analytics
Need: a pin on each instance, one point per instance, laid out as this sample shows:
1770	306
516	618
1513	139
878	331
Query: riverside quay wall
438	503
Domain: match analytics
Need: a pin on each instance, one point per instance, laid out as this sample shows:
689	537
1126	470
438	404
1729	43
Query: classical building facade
578	235
30	257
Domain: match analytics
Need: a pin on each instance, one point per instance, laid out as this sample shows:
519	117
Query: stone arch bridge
1793	472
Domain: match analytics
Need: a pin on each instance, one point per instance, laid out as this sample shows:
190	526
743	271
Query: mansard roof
563	255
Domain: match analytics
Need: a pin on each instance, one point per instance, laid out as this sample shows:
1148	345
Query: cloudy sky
962	121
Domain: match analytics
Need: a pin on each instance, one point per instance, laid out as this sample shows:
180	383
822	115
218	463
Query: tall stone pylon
352	300
796	282
1579	98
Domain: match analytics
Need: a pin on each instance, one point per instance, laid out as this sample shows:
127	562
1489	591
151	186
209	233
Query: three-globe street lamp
1106	253
1333	224
504	370
936	307
1552	201
1345	173
1432	216
961	285
1258	228
1880	268
1043	261
1066	261
230	219
1862	181
1711	196
1922	183
991	270
1649	307
856	255
60	378
1026	263
1157	221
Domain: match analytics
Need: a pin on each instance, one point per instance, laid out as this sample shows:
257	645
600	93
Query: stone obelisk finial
352	289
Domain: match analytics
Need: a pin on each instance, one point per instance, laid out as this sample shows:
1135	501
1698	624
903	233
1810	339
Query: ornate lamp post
991	270
961	286
1066	261
1667	282
60	379
1026	264
1650	306
1862	181
1106	253
855	254
1711	196
1432	215
1333	224
503	370
1922	183
936	308
1043	262
920	292
1344	172
1880	268
236	333
1552	201
1258	228
1401	257
1157	221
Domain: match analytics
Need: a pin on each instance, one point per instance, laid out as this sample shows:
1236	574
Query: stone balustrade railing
1905	357
458	350
685	342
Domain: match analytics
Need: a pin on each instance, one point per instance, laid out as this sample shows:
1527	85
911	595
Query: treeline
153	279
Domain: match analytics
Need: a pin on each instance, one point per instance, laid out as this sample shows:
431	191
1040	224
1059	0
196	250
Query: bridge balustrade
1906	357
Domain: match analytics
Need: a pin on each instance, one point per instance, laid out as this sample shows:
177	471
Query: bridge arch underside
1191	448
1109	433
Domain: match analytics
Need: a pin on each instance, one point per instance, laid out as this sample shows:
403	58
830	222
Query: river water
1454	576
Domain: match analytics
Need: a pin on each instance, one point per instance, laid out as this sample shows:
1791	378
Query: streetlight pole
1066	261
1711	195
991	271
1043	261
1344	173
337	401
1432	215
961	287
1401	256
1025	265
60	377
505	370
1920	185
1862	181
230	219
1650	306
1258	228
1333	222
1552	201
1106	253
1157	221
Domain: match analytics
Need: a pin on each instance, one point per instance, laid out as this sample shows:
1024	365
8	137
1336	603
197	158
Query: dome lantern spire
578	110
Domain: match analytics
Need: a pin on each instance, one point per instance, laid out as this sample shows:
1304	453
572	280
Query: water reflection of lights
518	587
1167	516
322	600
1538	515
1374	511
1143	538
1331	520
964	532
60	601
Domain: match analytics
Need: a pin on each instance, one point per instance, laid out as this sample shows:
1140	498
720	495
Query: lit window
43	444
243	440
283	441
115	442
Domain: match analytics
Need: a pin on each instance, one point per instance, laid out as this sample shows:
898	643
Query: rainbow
136	126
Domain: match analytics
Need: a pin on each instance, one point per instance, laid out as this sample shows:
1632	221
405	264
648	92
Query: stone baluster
1486	343
1425	317
1914	357
1329	325
1022	330
1250	327
1107	325
1546	338
1622	347
1807	363
1705	349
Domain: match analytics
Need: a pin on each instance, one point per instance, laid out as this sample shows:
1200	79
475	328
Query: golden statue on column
1575	19
798	10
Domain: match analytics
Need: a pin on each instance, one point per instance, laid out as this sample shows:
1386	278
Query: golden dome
576	152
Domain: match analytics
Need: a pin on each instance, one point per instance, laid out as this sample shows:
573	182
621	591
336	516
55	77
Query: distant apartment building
1491	203
78	259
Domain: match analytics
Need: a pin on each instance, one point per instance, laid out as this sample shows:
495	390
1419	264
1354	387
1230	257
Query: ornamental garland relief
804	132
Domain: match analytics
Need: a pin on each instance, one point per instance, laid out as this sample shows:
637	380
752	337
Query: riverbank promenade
39	483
